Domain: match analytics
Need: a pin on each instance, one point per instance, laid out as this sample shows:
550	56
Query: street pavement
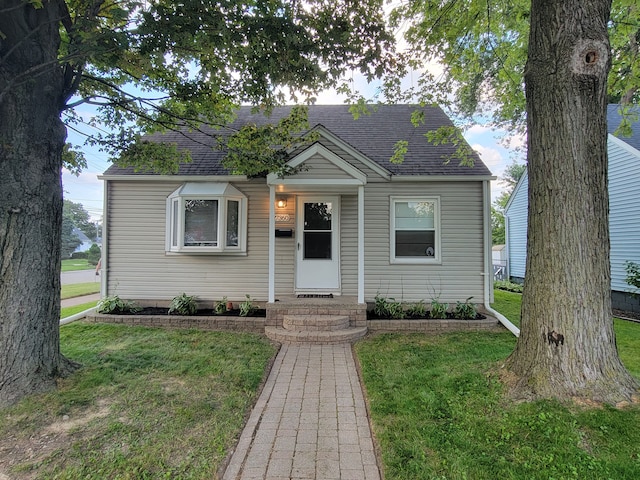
79	276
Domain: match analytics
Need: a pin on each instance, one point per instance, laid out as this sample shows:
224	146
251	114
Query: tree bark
31	141
567	345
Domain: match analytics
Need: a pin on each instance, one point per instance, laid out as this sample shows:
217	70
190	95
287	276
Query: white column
272	244
361	244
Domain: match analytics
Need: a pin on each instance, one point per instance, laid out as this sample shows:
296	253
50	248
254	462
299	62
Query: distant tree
80	218
93	254
69	240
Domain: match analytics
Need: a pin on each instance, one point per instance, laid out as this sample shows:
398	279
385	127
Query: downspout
77	316
488	271
105	242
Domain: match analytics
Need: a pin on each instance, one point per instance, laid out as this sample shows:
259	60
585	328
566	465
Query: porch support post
272	244
361	244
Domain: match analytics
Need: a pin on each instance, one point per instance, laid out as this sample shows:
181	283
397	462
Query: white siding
624	210
516	229
460	274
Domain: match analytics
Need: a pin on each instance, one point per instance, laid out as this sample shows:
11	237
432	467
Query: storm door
318	244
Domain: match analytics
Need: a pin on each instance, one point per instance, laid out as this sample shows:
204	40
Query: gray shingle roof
372	135
613	122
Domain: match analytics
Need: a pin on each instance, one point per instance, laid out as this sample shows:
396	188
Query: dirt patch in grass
32	447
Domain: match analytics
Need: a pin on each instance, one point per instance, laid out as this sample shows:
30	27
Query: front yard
153	403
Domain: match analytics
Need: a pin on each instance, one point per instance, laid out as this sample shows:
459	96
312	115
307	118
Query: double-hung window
415	230
206	218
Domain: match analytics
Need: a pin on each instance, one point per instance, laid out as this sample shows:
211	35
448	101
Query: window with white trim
415	230
207	218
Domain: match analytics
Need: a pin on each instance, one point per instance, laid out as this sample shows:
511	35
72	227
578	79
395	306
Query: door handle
298	245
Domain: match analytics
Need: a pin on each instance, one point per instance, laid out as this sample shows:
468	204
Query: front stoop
316	329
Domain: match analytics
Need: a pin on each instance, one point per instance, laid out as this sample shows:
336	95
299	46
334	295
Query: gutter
76	317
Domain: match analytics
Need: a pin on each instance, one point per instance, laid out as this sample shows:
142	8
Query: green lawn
69	265
147	404
439	412
68	311
79	289
627	333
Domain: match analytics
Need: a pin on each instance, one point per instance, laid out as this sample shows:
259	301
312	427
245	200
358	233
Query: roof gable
349	173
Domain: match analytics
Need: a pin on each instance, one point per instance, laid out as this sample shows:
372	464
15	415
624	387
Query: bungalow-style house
624	221
350	224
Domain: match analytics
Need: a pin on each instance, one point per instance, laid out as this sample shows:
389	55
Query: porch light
281	202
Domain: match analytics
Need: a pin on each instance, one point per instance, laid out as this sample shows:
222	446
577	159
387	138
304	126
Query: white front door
318	244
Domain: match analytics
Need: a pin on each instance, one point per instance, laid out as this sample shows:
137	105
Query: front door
318	244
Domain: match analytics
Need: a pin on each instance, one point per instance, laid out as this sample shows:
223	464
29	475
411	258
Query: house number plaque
283	217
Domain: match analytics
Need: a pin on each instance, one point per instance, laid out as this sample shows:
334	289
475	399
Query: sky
88	190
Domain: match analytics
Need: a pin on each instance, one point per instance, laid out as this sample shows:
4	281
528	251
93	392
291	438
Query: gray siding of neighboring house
516	229
624	210
624	221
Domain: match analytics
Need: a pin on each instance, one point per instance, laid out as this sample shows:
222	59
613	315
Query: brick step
315	323
347	335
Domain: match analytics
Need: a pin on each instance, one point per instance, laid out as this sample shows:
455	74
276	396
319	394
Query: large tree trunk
31	141
567	345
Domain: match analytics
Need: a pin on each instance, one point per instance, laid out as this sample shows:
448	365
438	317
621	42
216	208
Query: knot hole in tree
590	57
555	338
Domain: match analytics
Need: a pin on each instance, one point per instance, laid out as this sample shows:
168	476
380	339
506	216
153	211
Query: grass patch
79	289
69	265
68	311
508	304
438	412
627	333
148	403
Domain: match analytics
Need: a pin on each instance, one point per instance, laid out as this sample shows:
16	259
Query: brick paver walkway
310	421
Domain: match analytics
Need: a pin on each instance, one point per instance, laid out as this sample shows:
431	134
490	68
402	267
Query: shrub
115	305
388	307
247	307
183	304
508	286
77	255
466	310
417	310
94	254
633	274
438	310
220	306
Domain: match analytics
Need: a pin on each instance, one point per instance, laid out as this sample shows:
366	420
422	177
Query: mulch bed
208	312
371	315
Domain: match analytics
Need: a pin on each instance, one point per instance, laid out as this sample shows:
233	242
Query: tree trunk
567	345
31	141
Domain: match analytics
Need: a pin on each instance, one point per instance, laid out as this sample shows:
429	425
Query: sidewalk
71	302
310	421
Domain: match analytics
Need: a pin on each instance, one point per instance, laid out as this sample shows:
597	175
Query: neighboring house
624	221
350	223
86	241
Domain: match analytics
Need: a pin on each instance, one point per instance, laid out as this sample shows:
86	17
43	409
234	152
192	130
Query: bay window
206	218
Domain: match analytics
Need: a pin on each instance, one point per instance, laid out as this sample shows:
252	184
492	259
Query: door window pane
317	216
317	245
201	223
